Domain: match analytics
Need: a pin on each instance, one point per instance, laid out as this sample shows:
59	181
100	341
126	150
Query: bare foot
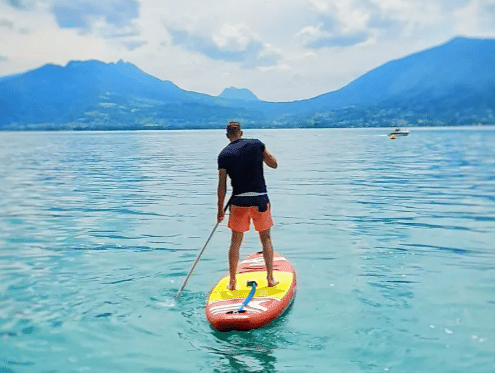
272	283
231	286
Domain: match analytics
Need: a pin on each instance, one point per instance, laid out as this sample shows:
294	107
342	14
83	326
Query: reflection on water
245	352
252	351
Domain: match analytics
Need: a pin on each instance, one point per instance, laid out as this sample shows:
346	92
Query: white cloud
234	37
280	50
476	18
35	39
81	14
20	4
6	23
230	43
310	33
412	16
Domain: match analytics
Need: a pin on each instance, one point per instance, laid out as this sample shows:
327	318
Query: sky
281	50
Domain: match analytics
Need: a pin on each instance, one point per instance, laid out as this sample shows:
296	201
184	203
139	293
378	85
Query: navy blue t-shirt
243	160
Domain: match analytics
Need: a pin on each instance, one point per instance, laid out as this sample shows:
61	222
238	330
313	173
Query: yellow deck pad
220	291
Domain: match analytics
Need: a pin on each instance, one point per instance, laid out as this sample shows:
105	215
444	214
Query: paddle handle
250	296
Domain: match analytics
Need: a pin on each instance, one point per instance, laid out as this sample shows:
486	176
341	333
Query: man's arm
269	159
221	192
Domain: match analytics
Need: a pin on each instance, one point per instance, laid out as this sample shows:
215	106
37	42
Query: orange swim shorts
240	218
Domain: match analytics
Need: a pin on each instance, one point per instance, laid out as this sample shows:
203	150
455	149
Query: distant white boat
399	132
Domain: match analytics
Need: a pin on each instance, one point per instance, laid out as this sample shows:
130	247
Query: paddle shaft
199	256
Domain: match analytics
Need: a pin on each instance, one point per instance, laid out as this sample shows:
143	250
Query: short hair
233	128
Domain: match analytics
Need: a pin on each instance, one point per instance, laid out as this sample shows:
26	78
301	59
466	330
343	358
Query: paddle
199	256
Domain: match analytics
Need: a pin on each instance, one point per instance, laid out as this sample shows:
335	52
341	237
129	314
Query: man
242	160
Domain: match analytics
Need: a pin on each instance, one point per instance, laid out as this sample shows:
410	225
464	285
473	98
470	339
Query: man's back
243	161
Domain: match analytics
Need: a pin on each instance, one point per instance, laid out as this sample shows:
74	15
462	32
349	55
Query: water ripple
392	243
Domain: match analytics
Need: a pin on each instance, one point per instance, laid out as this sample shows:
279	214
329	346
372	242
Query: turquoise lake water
393	242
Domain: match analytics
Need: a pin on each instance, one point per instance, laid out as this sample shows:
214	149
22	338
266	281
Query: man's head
234	131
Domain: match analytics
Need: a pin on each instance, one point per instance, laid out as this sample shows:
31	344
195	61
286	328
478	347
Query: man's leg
266	242
235	245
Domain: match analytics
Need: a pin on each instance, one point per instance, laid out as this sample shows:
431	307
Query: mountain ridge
450	84
387	74
234	93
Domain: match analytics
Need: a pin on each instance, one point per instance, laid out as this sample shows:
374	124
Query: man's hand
220	215
269	159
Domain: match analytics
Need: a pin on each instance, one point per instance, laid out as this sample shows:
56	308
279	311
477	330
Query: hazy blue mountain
93	94
450	84
462	66
233	93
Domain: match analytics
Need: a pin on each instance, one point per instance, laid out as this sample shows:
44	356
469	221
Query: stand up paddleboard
253	304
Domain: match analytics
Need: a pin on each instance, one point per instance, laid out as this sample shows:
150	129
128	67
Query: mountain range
451	84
